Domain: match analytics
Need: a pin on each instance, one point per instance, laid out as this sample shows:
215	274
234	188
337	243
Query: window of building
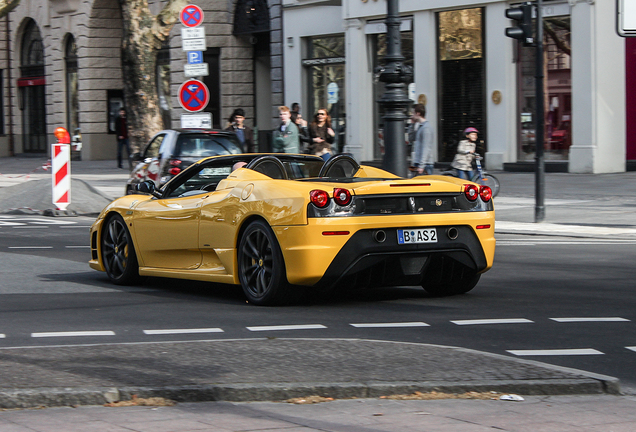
558	97
1	101
461	79
72	95
31	90
212	57
379	46
325	70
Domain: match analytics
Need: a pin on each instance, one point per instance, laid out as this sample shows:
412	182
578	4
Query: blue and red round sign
191	16
193	95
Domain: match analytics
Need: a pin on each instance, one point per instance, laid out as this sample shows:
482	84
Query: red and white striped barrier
61	175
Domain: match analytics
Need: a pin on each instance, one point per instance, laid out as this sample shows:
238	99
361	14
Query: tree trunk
7	6
143	35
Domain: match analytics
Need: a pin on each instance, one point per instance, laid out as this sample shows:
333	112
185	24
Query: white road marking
555	352
599	319
30	247
633	348
30	227
2	336
389	325
183	331
76	226
287	327
73	334
77	247
492	321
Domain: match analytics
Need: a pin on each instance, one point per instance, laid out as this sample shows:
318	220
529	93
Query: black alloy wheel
261	266
118	252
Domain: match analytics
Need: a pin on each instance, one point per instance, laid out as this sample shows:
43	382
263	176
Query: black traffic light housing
523	15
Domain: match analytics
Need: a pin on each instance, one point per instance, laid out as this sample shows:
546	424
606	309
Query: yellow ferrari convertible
274	222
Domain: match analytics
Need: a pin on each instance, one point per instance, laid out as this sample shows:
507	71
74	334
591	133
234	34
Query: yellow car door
167	232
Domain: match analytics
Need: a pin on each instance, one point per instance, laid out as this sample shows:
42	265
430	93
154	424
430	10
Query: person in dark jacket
121	130
322	135
243	133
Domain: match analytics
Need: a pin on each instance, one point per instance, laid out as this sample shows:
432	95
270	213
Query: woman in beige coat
463	161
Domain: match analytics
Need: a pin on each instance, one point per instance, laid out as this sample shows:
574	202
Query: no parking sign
191	16
193	95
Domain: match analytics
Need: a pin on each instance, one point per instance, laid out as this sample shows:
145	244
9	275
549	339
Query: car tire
118	252
447	277
261	266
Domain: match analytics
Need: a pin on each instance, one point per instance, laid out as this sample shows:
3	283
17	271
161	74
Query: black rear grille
405	204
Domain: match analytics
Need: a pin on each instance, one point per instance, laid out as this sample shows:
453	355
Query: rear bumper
312	258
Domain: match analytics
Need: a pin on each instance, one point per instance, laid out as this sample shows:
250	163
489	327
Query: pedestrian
121	130
422	161
243	133
286	138
322	135
463	161
303	131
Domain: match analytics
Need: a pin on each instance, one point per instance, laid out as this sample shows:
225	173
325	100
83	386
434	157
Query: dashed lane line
556	352
631	348
287	327
73	334
390	325
586	319
183	331
30	247
492	321
78	247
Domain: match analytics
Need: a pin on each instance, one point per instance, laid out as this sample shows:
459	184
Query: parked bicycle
480	177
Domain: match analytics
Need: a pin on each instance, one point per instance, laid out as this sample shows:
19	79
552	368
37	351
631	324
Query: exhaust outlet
379	236
452	233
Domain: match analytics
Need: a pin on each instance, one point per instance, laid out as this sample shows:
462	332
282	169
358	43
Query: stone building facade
61	66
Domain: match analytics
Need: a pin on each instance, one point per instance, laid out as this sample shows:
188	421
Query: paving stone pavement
599	413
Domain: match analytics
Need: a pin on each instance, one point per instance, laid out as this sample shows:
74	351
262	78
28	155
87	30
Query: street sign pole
539	211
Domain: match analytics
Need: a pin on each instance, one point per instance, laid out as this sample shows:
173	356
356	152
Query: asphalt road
543	294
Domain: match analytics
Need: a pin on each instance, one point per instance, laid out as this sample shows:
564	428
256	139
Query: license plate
417	235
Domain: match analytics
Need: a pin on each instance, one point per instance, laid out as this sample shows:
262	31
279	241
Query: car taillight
341	196
174	170
175	162
471	191
485	193
319	198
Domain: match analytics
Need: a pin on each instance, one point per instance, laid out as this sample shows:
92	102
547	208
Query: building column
500	90
359	91
598	89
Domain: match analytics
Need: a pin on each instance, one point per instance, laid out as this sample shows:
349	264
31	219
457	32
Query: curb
56	397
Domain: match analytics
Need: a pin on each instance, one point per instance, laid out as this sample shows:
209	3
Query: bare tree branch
7	6
559	41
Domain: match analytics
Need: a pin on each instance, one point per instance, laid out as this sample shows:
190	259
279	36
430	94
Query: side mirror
135	157
147	187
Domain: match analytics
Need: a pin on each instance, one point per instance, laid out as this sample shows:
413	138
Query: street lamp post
395	75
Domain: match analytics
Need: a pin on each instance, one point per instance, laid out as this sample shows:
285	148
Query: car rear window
204	145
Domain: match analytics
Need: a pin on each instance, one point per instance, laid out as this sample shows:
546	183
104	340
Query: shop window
461	82
558	96
378	42
325	68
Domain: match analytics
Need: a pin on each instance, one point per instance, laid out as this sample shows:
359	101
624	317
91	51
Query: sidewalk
603	413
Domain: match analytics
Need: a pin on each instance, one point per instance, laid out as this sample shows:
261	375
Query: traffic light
523	15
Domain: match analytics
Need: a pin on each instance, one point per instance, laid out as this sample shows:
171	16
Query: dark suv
171	151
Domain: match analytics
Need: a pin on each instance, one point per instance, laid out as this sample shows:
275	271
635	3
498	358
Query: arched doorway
32	96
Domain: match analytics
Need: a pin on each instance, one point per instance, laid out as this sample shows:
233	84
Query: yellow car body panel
196	236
